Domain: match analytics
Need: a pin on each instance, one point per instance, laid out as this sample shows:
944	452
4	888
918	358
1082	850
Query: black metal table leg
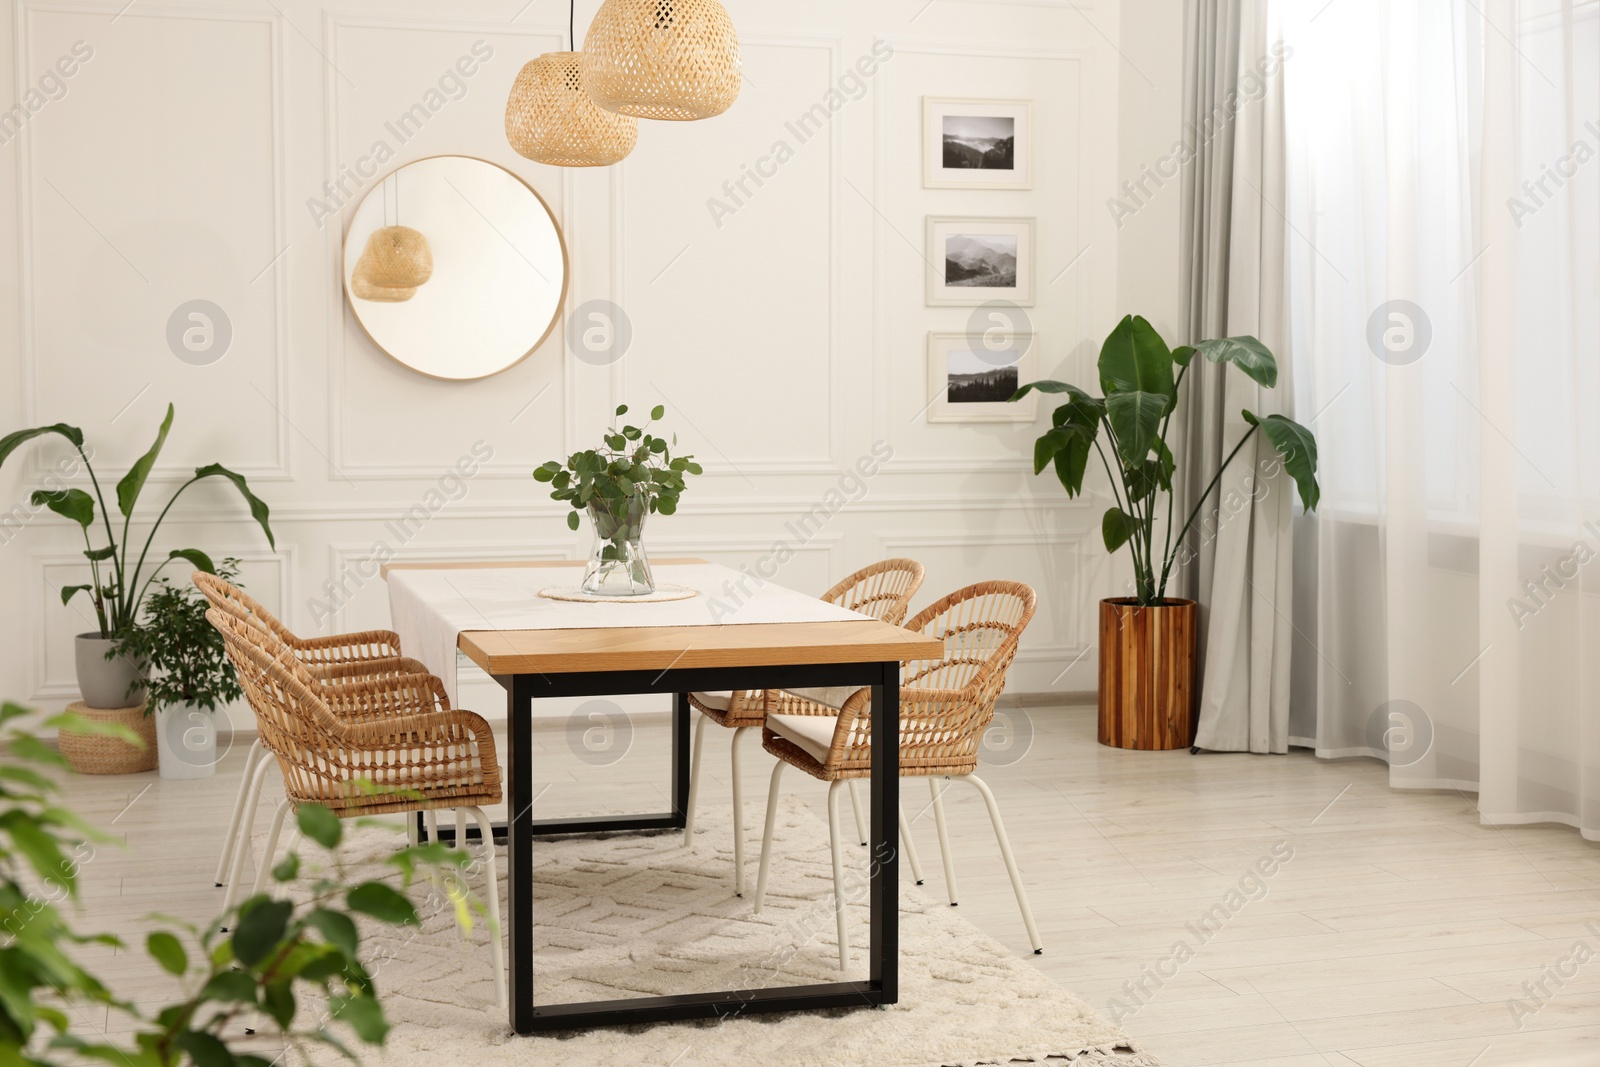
519	850
885	870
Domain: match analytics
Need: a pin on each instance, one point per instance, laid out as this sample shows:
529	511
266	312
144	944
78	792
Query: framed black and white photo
974	261
971	376
977	144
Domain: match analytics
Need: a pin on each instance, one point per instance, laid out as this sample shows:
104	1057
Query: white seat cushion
718	701
832	696
812	733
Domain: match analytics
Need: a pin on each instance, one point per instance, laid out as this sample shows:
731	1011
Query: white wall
785	342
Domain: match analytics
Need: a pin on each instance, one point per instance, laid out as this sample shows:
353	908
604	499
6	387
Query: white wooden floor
1398	931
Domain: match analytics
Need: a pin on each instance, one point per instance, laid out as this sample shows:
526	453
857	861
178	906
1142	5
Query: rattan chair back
883	590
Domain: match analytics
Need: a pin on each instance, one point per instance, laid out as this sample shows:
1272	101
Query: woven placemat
664	592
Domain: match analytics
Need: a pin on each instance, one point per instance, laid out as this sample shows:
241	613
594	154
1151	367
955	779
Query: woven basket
398	257
98	754
662	59
550	119
362	287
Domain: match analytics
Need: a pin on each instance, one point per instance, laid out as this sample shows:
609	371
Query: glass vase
618	565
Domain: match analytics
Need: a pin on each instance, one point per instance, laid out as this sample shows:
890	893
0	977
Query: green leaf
72	722
70	591
364	1015
230	987
258	510
319	824
197	558
1135	418
287	869
1117	527
1048	444
1134	359
206	1050
167	951
38	847
99	555
1183	354
73	504
572	520
658	412
1044	386
1246	353
383	903
262	923
278	999
1298	448
132	483
1070	464
622	409
337	928
12	441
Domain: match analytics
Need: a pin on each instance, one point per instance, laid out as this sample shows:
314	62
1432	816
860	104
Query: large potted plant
118	577
1147	641
634	476
187	675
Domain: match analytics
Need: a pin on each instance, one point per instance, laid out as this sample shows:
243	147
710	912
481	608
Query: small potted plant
1147	641
187	675
634	476
118	577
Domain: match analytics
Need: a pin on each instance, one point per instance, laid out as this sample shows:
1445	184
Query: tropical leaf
1298	448
132	483
1117	527
1044	386
1135	418
258	509
199	559
13	441
1134	359
1246	353
1071	462
73	504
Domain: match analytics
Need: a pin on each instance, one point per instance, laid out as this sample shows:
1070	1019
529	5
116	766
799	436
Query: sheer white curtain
1444	201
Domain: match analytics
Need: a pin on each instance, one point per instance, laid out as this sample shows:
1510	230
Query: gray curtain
1234	245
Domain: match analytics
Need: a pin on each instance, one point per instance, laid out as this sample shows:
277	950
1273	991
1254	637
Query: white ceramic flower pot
187	739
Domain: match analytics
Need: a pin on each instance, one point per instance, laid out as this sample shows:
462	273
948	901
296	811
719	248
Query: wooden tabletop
502	652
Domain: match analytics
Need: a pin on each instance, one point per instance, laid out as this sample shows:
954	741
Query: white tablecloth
432	608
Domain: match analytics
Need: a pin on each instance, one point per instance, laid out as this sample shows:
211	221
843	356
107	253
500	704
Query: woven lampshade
363	288
397	257
550	119
662	59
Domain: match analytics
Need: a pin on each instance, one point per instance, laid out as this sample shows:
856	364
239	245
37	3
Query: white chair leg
909	847
492	873
232	840
944	842
413	838
694	780
838	874
766	835
855	804
461	828
270	856
246	826
1011	861
433	825
738	816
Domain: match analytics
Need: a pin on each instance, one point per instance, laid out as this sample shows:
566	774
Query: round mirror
455	267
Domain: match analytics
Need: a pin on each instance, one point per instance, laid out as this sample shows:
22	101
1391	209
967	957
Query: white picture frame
974	261
972	375
962	138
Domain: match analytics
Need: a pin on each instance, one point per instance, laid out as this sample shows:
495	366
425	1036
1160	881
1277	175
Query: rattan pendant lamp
396	257
662	59
551	119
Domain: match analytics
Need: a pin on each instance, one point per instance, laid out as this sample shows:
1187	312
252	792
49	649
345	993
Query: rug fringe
1099	1056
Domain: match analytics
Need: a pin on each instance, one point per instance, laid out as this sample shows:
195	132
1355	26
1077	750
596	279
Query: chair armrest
449	741
364	696
346	648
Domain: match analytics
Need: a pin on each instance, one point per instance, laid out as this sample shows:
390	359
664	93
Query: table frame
882	984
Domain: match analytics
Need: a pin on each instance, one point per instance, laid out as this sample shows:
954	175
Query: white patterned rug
639	916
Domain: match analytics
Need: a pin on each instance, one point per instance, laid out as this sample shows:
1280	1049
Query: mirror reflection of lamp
397	259
551	119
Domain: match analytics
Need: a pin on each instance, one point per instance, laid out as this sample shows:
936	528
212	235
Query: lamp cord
572	25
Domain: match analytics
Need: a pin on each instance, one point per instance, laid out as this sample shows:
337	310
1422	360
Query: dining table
731	630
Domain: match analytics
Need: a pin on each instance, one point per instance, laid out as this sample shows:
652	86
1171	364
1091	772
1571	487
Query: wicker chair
340	657
945	705
884	591
405	753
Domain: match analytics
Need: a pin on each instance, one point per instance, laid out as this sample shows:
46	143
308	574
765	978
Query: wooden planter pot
1147	674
